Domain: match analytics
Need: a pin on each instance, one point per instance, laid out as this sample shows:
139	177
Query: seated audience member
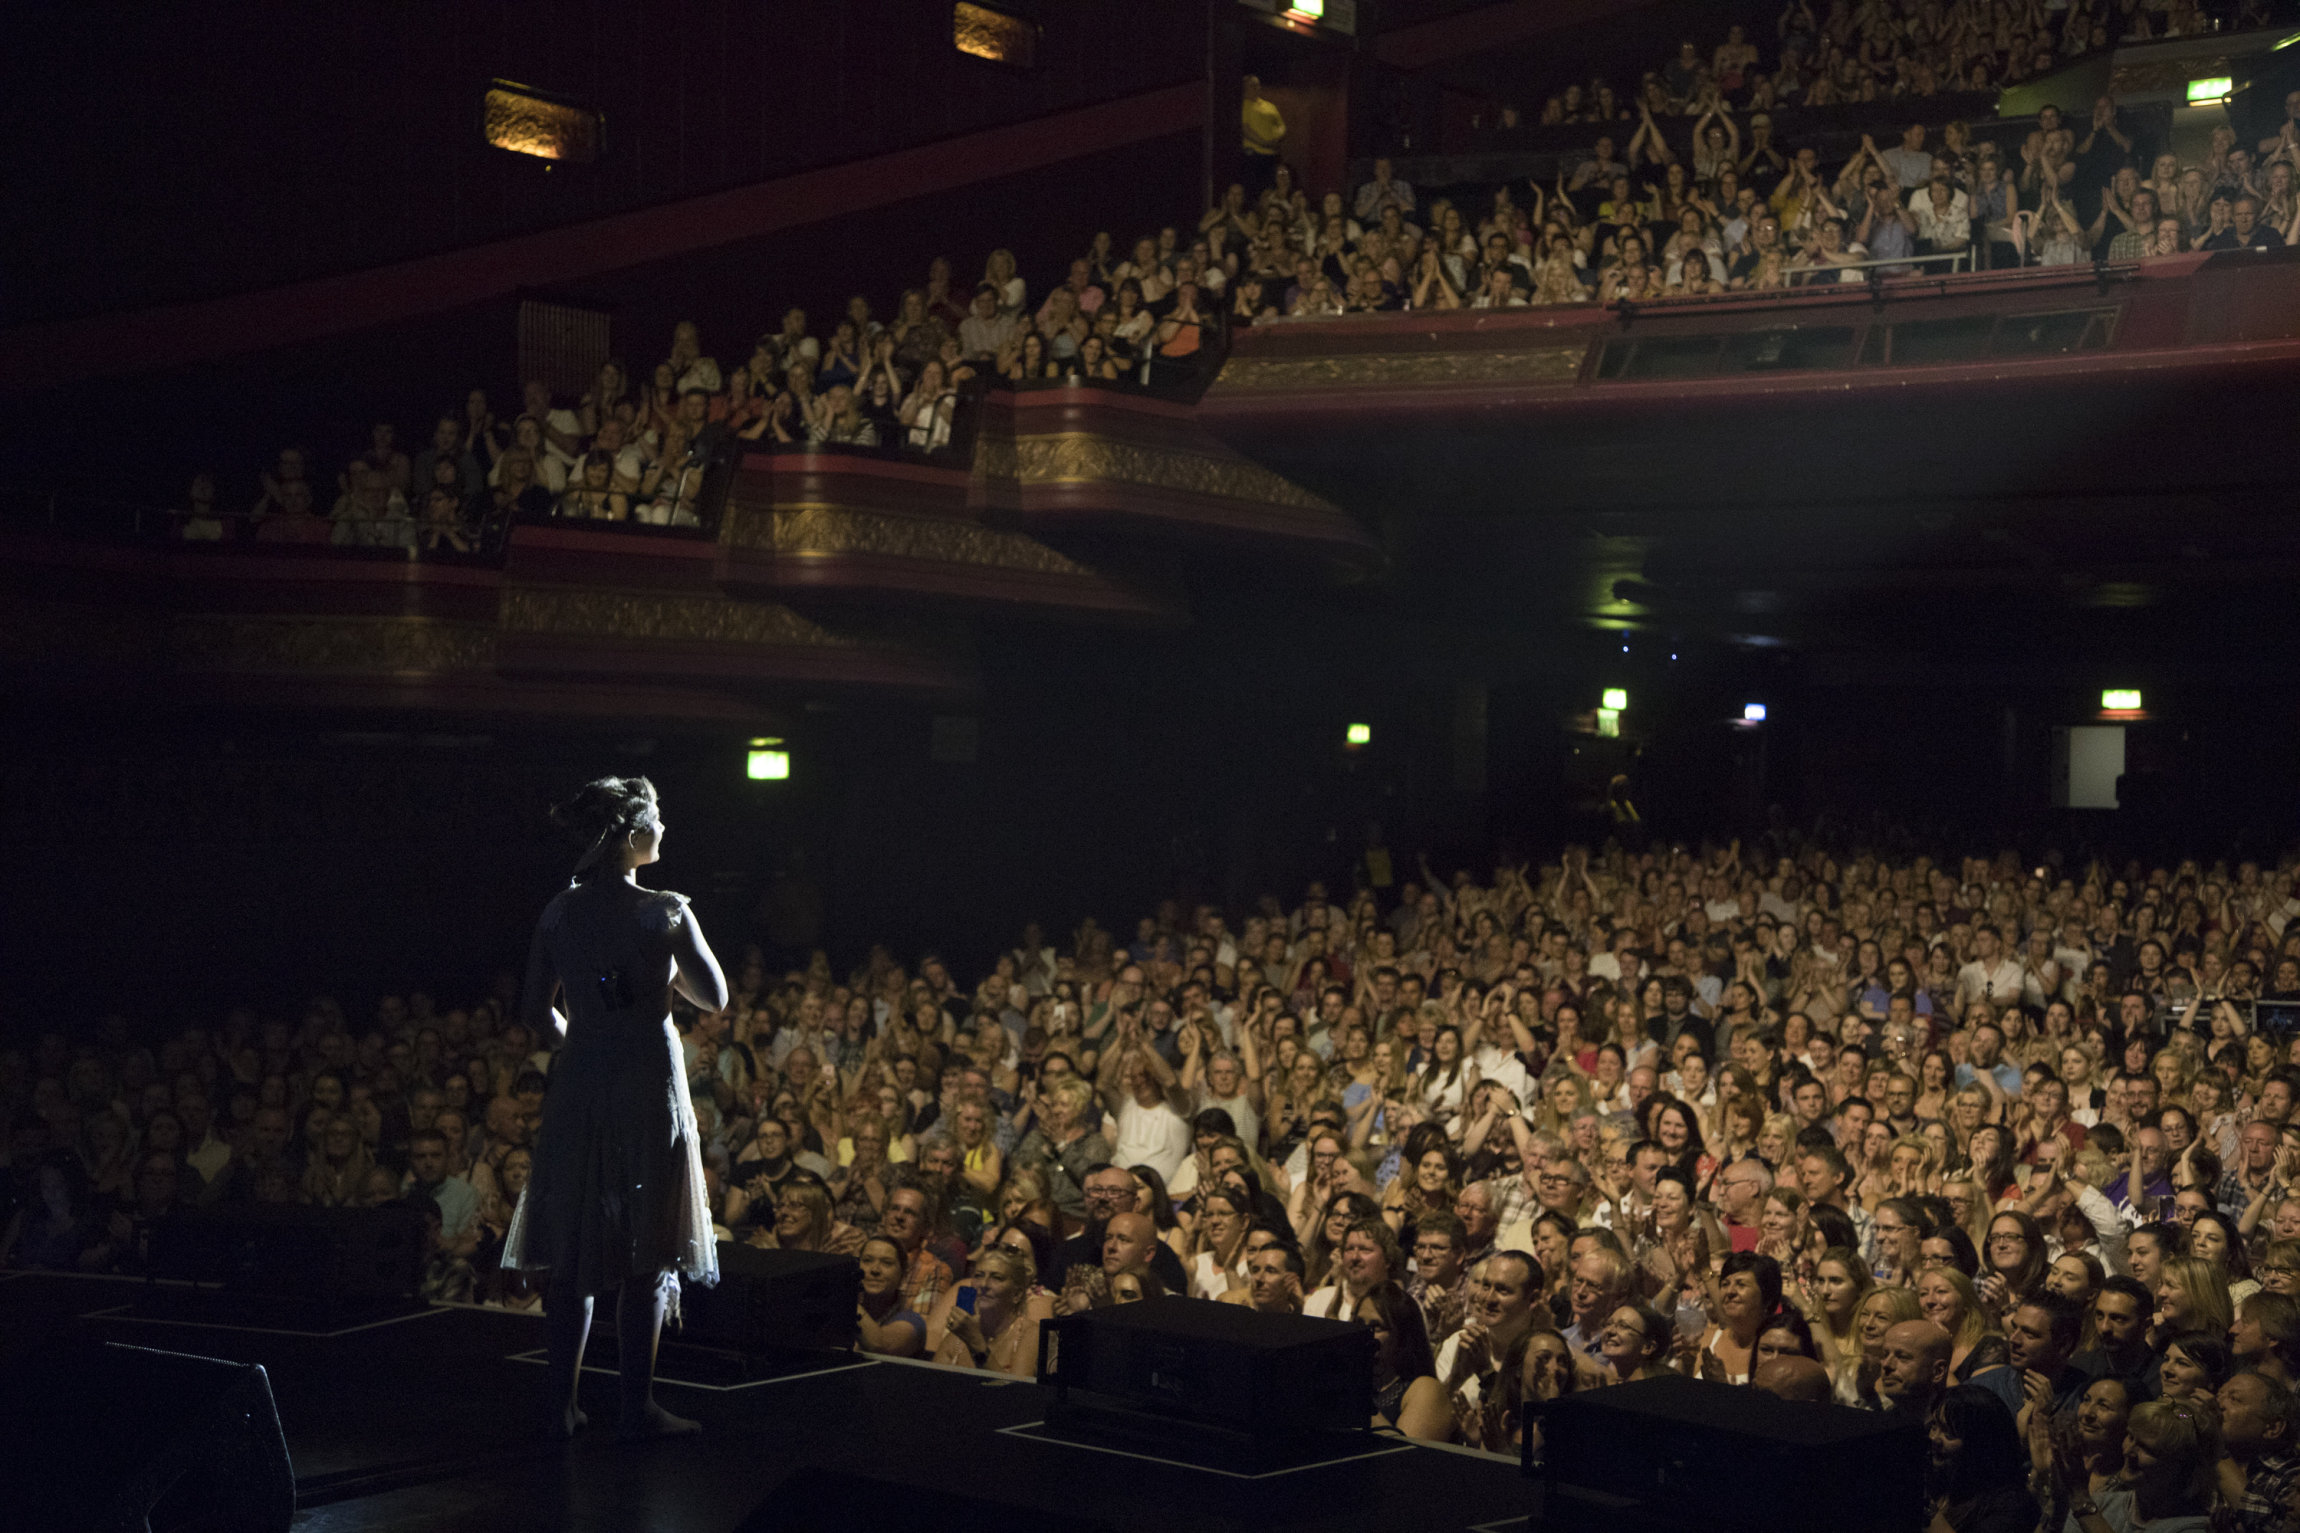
1407	1395
990	1325
199	521
1977	1477
292	519
592	495
887	1325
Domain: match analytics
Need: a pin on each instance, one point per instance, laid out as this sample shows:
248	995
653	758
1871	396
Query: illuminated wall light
2210	91
1359	734
1308	10
1616	698
1753	713
523	121
983	33
1609	722
767	764
2121	700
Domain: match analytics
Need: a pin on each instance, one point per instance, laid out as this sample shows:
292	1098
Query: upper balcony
2049	380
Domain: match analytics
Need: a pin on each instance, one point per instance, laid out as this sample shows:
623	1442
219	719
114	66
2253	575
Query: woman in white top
1444	1084
1217	1261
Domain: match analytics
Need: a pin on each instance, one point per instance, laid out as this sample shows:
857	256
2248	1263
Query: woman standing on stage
617	1202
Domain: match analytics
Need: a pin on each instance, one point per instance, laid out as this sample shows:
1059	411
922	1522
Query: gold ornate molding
611	614
2142	76
1081	458
1545	364
348	644
816	531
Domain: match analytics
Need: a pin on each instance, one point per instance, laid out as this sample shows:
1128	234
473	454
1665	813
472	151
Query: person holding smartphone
989	1325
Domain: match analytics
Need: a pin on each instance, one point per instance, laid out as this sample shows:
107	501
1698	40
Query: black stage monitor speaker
1678	1452
104	1438
816	1500
1221	1366
352	1256
774	1300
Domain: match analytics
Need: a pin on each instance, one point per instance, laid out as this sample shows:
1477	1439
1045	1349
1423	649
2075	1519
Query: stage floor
424	1422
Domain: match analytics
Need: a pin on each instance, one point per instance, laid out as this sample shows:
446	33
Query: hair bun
605	805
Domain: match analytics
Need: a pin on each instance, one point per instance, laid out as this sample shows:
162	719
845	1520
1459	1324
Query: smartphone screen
965	1297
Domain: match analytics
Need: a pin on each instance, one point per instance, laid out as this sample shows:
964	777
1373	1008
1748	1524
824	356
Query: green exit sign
2206	92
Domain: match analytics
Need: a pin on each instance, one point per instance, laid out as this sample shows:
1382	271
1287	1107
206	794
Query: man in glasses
1600	1285
1438	1285
1741	1189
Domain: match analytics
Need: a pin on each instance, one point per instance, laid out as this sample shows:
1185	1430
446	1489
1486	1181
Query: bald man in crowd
1913	1369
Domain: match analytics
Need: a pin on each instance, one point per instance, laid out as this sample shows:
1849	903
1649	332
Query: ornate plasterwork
586	612
816	531
1544	364
344	644
1082	458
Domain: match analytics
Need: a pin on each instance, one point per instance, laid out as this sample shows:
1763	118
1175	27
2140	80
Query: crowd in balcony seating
1847	53
636	448
1660	206
2010	1147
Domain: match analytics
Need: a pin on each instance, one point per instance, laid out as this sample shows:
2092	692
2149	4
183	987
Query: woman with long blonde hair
1564	1097
1947	1298
1879	1310
2192	1295
1831	1301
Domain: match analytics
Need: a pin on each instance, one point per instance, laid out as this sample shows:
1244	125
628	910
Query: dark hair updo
602	810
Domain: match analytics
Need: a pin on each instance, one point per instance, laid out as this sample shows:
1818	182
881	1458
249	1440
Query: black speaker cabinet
353	1256
1219	1366
768	1301
117	1439
1680	1453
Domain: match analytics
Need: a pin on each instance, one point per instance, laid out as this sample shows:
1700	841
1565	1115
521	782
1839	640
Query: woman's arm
536	1010
1426	1413
896	1338
987	1176
699	977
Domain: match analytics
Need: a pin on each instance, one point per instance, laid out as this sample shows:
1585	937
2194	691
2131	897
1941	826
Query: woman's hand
967	1329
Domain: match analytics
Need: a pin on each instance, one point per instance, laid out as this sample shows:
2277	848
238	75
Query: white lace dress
617	1191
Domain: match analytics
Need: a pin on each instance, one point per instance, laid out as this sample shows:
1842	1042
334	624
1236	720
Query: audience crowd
1879	50
635	448
1685	190
2011	1149
1691	191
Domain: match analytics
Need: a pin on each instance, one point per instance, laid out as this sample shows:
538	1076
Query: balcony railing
83	511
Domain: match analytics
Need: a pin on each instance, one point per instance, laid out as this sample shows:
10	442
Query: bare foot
654	1421
567	1423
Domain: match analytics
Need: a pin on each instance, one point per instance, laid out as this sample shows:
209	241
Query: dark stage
423	1422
